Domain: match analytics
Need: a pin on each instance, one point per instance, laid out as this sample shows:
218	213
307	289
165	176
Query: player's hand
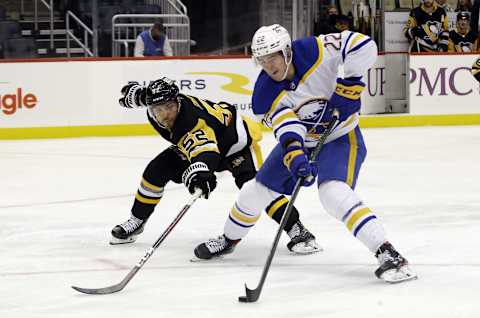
133	95
296	160
198	176
418	32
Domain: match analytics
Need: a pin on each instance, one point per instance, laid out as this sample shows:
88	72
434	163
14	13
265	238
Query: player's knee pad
252	200
337	198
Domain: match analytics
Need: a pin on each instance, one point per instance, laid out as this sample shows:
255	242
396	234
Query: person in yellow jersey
206	137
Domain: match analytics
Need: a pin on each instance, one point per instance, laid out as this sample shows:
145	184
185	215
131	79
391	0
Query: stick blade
251	295
100	291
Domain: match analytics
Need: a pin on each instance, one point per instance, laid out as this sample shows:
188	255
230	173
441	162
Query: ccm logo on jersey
9	103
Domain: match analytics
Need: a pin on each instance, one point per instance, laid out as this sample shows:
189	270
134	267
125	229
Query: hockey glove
296	160
133	96
197	175
346	98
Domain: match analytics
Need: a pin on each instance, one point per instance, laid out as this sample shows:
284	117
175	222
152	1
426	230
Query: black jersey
428	32
205	131
463	42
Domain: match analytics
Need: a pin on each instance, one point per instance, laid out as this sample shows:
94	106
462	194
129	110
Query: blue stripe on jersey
266	90
359	46
350	211
344	53
371	217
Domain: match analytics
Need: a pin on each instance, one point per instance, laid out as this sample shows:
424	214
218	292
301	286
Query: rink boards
74	98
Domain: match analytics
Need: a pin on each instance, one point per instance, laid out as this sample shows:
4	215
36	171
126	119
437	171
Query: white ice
60	198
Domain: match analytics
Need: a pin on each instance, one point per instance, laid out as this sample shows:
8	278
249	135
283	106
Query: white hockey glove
197	175
133	96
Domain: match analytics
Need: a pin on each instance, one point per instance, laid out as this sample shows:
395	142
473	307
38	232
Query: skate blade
117	241
306	248
395	276
210	260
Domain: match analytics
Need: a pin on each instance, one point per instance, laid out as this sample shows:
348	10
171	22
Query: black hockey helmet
161	91
463	15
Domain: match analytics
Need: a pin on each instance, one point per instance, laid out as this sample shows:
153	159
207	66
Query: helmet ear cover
161	91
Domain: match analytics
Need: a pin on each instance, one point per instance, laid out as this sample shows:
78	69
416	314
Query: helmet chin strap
287	62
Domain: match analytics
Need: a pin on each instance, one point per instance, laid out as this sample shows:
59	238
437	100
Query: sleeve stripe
345	47
284	125
285	117
280	110
355	39
359	46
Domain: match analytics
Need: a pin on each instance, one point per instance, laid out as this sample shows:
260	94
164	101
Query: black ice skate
128	231
215	247
393	266
302	241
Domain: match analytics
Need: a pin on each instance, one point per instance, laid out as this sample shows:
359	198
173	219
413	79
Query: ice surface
60	198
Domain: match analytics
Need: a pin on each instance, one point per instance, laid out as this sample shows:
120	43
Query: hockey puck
243	299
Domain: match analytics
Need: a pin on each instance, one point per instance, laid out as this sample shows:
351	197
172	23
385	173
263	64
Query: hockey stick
118	287
252	295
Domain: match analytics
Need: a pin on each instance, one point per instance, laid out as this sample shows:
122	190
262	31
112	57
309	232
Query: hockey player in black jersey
427	28
463	38
206	137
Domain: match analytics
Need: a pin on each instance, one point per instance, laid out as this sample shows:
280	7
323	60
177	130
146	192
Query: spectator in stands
462	38
153	42
444	5
342	23
427	28
464	5
326	25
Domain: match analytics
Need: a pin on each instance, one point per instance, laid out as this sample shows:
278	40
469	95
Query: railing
86	32
170	6
177	27
49	6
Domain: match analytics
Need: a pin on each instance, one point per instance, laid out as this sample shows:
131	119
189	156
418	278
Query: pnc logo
9	103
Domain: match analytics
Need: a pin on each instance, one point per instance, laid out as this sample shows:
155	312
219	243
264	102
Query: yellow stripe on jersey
151	186
351	92
352	158
279	119
317	62
198	140
140	198
357	37
237	215
253	127
356	216
274	208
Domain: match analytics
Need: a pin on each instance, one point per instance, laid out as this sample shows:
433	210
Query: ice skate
393	266
302	241
128	231
215	247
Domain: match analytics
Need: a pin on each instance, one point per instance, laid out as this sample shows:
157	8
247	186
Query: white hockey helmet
270	39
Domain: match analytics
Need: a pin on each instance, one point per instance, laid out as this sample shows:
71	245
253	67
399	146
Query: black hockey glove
133	96
197	175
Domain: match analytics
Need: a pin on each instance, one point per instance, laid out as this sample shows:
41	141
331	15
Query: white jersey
316	61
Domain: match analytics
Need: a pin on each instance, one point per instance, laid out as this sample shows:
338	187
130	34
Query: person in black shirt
462	38
427	28
206	137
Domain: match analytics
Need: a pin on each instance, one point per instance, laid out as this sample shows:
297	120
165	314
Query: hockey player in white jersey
295	94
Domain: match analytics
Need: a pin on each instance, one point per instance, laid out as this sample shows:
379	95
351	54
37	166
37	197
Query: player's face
166	113
274	65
